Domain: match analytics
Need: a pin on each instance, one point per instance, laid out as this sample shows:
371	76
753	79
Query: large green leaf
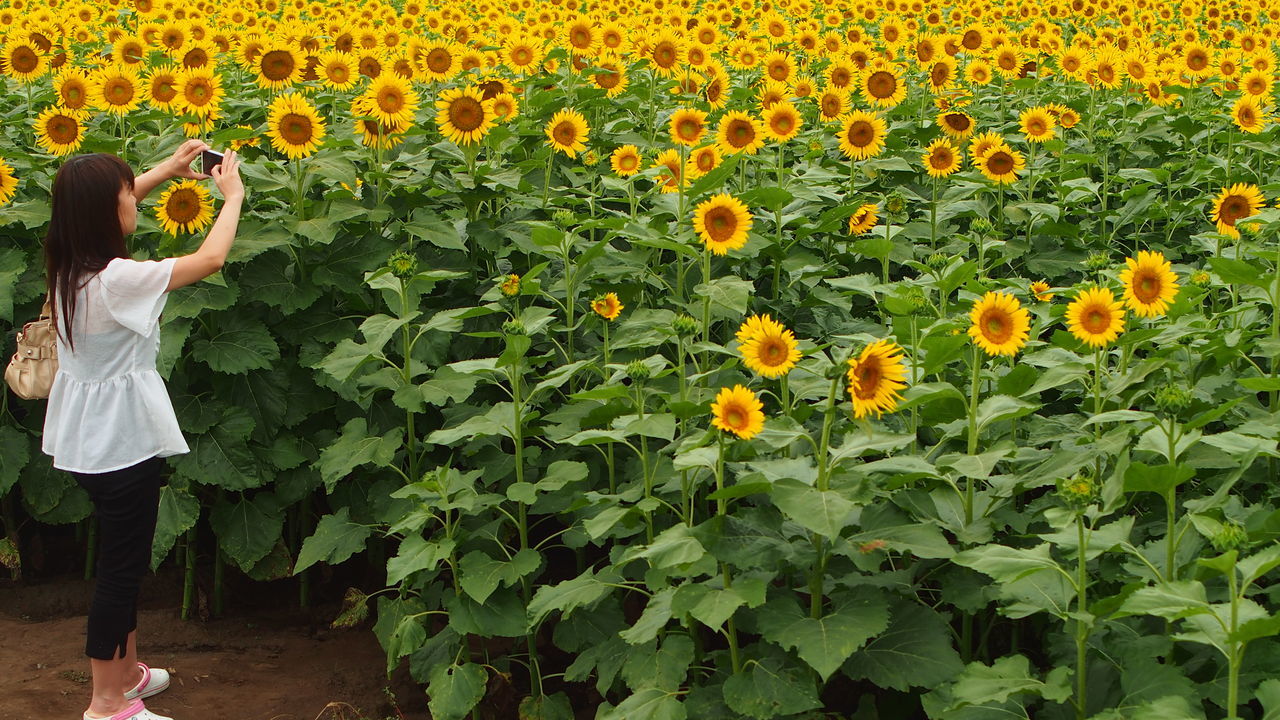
769	691
356	447
247	529
221	457
824	643
454	690
179	511
14	454
417	553
915	651
240	344
336	538
823	512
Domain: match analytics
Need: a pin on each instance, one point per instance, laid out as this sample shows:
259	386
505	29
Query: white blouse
108	407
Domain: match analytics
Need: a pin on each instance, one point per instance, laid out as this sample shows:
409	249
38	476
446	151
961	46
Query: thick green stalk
516	376
818	574
973	431
1235	649
721	507
1171	507
1082	628
189	575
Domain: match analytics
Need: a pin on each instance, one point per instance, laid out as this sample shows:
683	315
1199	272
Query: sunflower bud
563	218
896	203
510	285
982	226
1172	398
684	325
402	264
1078	491
590	158
638	371
1200	278
916	299
1232	536
937	261
1098	261
514	327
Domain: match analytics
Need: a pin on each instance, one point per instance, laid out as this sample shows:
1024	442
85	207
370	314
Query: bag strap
47	310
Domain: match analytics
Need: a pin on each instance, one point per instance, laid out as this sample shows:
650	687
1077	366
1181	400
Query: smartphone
208	159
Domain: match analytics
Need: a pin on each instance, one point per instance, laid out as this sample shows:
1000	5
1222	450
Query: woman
110	420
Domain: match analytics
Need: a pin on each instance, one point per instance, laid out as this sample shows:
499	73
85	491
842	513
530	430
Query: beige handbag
31	370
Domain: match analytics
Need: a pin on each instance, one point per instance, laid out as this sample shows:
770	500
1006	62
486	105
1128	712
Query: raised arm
213	252
178	165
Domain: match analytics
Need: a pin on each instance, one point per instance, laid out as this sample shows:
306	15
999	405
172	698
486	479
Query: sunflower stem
818	573
973	431
933	217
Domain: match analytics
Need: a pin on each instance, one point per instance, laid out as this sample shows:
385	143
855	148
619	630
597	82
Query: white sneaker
135	711
154	680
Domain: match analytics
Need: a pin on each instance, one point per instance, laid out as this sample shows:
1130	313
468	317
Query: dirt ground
260	661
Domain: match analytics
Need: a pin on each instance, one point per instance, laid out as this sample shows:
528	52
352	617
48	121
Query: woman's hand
226	175
179	165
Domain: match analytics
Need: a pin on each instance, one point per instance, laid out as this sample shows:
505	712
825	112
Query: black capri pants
127	502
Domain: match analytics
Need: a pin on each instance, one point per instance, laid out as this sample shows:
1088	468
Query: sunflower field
707	359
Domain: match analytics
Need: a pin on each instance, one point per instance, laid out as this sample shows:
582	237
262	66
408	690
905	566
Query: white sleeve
134	291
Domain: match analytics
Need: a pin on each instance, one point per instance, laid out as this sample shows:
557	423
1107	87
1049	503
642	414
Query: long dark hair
84	228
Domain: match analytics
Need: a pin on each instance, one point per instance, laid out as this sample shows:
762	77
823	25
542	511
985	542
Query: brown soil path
265	663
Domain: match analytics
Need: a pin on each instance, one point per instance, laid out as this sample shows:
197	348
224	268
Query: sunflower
294	126
607	306
23	61
116	89
782	121
72	86
184	207
955	124
505	106
883	86
581	37
625	161
999	324
941	158
195	54
612	77
59	130
666	52
337	69
779	66
723	223
440	60
199	92
278	66
1095	317
1001	164
833	103
566	131
978	72
392	100
863	219
523	54
669	181
738	411
464	116
1040	289
1234	204
716	88
8	183
702	161
751	327
738	132
875	377
1256	83
1248	115
771	351
942	75
1149	284
687	126
1036	124
128	50
862	135
374	132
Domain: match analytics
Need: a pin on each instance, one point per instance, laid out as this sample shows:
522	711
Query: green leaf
502	615
672	547
240	344
480	574
448	384
1140	477
454	690
1170	601
417	553
179	511
729	295
1238	272
980	684
221	457
1007	564
247	529
1260	384
823	512
1003	407
657	612
770	691
916	651
825	643
648	704
567	596
357	447
336	538
14	454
